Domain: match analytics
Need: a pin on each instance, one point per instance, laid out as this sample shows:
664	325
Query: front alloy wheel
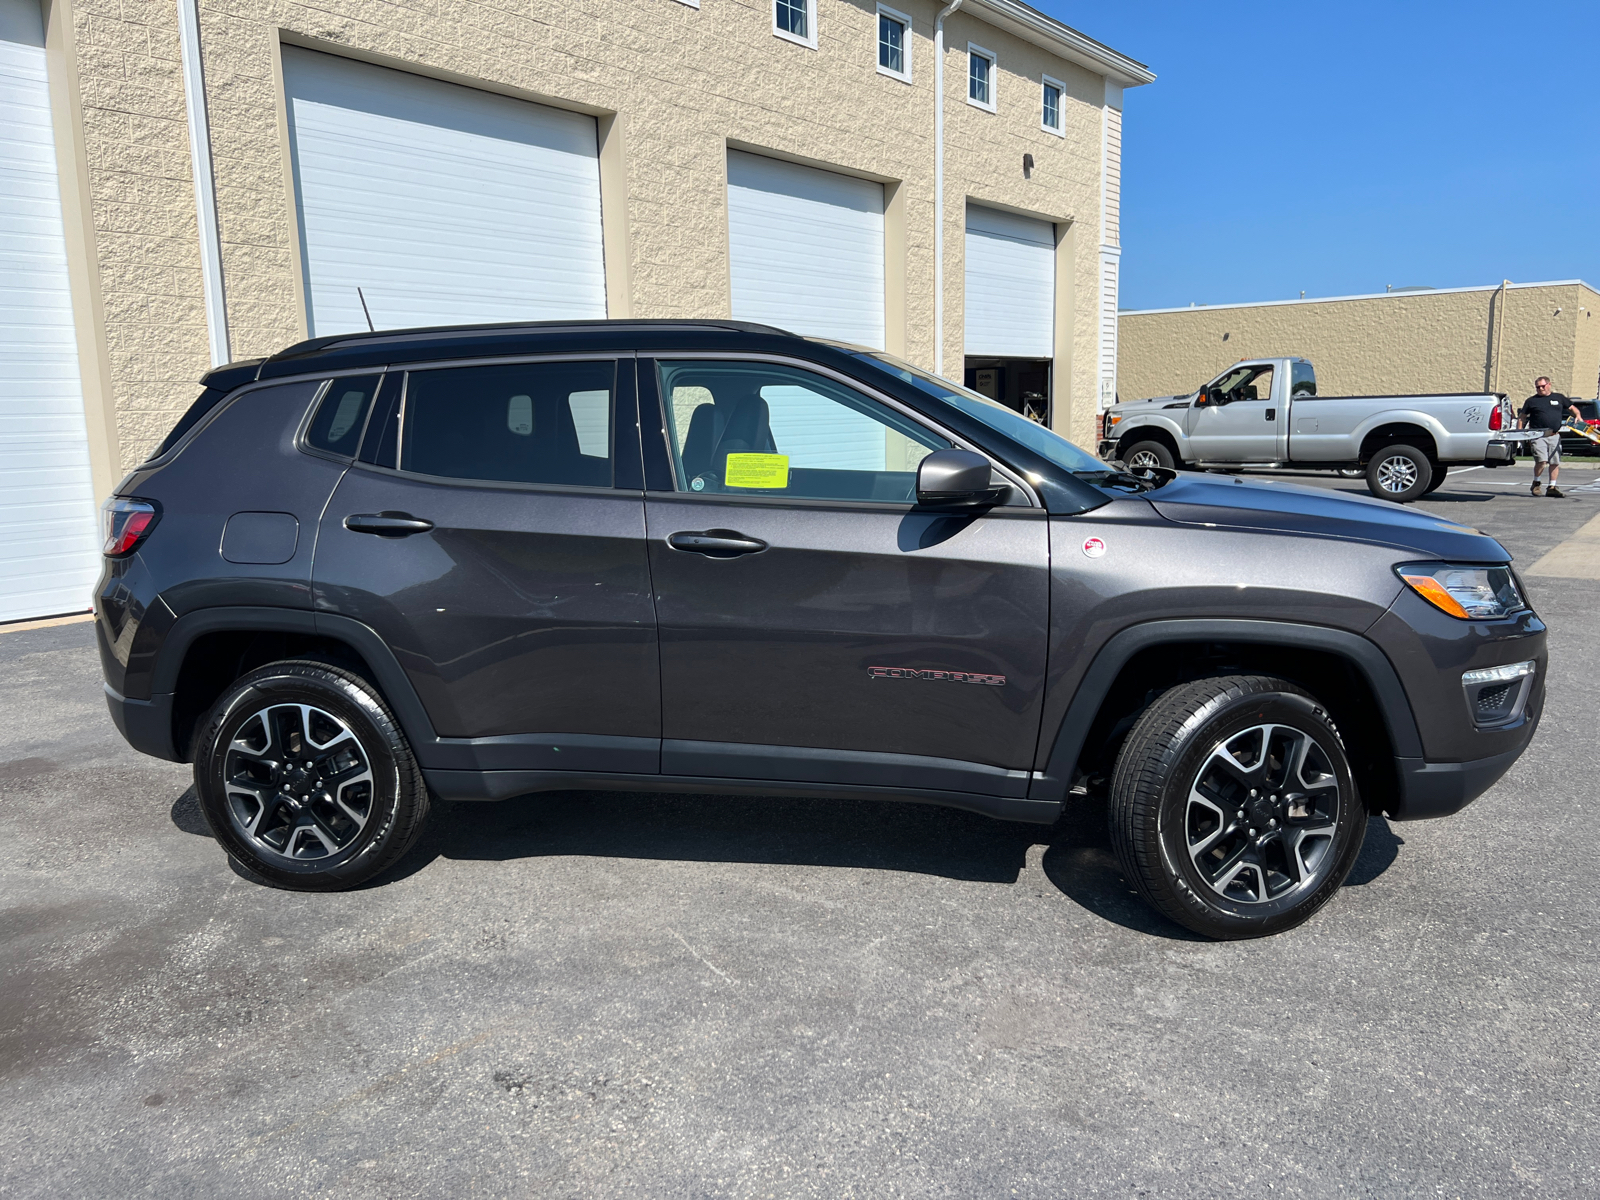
1233	806
1262	814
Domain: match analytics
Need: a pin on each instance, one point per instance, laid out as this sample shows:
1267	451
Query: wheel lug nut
1240	812
1273	823
1252	833
1253	792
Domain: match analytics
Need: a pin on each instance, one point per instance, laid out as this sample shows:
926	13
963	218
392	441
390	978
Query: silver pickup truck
1266	412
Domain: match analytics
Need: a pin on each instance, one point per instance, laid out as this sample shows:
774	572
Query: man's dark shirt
1545	412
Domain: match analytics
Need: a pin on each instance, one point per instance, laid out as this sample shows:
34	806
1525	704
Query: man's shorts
1547	449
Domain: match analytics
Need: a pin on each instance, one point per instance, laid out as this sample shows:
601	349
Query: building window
894	43
795	21
980	77
1050	111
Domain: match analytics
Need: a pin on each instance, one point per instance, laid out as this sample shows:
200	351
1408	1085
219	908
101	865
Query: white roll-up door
806	249
48	543
444	205
1011	285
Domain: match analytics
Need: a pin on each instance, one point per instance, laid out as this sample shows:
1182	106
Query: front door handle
387	524
715	543
1272	414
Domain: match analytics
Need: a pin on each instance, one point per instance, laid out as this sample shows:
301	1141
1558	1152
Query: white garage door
444	205
1011	285
806	249
48	544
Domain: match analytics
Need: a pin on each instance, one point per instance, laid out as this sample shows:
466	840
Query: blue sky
1337	148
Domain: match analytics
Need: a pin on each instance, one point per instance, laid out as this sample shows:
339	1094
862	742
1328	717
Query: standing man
1546	410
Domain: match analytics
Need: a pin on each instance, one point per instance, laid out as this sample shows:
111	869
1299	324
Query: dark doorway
1022	384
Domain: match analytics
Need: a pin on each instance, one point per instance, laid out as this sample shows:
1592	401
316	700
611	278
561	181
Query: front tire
1400	473
1233	807
306	779
1144	455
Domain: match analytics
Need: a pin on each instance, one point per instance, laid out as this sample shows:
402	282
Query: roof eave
1061	40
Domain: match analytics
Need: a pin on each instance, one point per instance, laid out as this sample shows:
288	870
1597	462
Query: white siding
1113	181
443	204
48	540
806	249
1010	285
1107	367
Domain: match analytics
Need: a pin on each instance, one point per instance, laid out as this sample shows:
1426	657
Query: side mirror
956	479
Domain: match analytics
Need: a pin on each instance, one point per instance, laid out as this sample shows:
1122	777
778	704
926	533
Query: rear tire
1233	807
1142	456
1439	476
1400	472
306	779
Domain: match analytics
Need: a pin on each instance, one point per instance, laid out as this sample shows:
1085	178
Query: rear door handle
387	524
715	543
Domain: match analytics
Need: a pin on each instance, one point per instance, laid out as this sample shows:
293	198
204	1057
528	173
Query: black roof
347	351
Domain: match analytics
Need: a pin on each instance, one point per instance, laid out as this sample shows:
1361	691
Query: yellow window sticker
758	471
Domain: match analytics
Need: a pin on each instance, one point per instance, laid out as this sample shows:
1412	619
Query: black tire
306	779
1142	455
1400	472
1440	474
1171	769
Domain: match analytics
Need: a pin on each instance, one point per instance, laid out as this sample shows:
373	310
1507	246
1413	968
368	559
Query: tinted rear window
518	423
342	414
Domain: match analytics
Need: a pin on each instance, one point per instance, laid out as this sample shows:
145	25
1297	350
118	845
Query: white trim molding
992	79
1048	33
809	7
205	192
894	14
1487	287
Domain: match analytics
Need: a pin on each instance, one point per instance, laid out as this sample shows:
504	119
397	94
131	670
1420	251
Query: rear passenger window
758	429
523	423
342	415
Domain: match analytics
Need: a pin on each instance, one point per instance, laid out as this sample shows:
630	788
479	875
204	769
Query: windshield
1043	442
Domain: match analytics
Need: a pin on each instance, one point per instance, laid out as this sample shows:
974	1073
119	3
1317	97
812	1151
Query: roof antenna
364	309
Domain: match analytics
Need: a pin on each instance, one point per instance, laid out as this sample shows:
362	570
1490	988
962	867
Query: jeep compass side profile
478	563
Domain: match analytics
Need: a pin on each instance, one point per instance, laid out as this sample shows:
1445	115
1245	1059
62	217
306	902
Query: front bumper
1440	789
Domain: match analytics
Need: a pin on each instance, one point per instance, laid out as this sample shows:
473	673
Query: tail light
1496	418
126	523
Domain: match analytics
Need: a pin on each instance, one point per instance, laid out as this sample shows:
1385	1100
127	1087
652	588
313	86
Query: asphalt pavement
653	995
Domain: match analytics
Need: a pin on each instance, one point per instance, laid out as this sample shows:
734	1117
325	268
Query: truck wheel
1141	456
306	779
1399	472
1233	808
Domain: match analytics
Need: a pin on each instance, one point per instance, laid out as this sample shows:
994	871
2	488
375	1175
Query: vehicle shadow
914	838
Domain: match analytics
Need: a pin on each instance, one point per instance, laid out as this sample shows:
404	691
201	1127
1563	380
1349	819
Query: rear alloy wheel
1400	473
1233	808
1144	456
305	778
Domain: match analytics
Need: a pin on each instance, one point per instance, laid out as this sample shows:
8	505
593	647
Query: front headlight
1470	593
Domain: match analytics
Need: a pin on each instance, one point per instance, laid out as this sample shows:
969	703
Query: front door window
740	428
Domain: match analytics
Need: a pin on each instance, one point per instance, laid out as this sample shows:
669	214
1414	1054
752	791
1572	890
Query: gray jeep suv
477	563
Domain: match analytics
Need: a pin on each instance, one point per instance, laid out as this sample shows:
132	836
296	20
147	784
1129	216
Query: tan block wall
686	84
1410	342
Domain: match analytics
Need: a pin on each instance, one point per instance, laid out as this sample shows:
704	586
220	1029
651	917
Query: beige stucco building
191	206
1497	338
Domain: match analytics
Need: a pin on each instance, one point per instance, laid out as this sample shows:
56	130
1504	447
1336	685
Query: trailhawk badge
1093	547
946	676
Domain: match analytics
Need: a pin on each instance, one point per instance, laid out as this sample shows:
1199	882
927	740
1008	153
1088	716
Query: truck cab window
1244	383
